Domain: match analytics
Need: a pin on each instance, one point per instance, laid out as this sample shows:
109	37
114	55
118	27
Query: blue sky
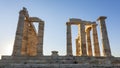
56	13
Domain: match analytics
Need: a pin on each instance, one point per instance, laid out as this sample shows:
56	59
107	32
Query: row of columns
23	15
84	37
95	41
19	34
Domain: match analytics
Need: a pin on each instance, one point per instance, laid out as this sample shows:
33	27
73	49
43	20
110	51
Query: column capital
68	23
101	18
94	25
87	29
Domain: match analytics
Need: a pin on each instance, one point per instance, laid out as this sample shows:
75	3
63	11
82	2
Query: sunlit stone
28	46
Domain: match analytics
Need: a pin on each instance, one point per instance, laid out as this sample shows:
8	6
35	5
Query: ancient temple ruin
84	29
27	41
28	46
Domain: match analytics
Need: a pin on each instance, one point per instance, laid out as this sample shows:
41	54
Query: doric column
77	53
25	38
104	36
81	30
77	47
40	38
89	47
69	40
19	35
95	40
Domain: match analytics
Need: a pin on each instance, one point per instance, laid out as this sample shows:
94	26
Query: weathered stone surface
40	39
28	42
28	47
54	53
19	34
78	47
82	33
89	46
75	20
95	41
104	36
69	40
60	62
81	48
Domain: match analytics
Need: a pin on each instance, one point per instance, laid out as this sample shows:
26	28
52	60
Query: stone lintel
35	19
80	22
74	20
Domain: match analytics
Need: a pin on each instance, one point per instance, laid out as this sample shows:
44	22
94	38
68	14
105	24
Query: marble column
19	35
95	40
104	36
25	38
89	47
69	40
40	38
81	30
77	47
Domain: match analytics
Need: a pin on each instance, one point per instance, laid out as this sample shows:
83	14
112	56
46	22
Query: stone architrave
19	34
104	36
81	30
89	47
95	40
40	38
69	40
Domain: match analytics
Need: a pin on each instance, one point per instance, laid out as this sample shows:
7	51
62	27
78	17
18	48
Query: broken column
89	47
104	36
69	40
95	40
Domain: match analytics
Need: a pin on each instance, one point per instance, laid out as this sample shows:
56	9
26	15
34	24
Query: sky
56	13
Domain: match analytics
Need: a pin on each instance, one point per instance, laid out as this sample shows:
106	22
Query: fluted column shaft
77	47
69	40
19	35
104	36
95	41
81	28
40	38
89	47
25	38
